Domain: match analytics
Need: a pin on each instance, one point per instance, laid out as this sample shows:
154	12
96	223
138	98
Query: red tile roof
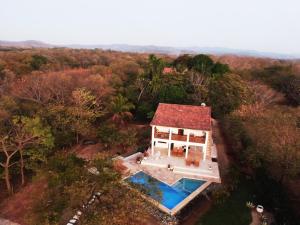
183	116
168	70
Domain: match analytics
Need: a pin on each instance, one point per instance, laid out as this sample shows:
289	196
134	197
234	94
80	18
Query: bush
143	110
108	134
220	195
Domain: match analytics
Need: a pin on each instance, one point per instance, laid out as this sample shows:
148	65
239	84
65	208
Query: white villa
182	140
182	128
181	147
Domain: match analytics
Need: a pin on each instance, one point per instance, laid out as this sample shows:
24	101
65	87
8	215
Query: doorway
180	131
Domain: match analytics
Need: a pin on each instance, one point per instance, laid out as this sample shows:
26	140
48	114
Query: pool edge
181	204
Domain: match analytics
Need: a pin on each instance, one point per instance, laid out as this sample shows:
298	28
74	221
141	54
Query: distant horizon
211	49
55	43
263	26
156	45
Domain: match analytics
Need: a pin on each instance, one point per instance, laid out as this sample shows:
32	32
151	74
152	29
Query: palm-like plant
120	109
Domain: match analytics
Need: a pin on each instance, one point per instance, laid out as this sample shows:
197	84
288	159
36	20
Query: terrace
193	165
158	167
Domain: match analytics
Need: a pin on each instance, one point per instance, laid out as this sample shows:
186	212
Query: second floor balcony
178	137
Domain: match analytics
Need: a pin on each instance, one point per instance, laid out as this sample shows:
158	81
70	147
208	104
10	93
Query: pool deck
157	168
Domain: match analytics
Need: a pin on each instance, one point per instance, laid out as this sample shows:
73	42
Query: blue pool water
169	196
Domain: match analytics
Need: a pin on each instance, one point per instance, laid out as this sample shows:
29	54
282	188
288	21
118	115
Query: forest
54	100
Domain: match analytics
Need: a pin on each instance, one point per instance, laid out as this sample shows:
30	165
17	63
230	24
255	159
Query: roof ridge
163	103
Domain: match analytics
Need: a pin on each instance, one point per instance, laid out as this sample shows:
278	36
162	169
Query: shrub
220	195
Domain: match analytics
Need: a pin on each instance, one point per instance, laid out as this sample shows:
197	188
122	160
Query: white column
205	145
186	151
187	145
169	143
152	141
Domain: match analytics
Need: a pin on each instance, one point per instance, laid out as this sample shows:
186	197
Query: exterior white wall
178	145
163	129
159	144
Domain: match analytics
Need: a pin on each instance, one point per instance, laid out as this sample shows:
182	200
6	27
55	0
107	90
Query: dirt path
204	205
219	141
17	207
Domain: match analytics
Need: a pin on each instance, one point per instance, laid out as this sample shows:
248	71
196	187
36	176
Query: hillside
152	49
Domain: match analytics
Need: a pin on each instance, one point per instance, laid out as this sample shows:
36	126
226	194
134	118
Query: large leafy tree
151	78
8	152
83	111
23	134
227	93
183	63
74	119
202	64
172	94
28	133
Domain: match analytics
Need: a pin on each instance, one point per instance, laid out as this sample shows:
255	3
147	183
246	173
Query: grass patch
233	211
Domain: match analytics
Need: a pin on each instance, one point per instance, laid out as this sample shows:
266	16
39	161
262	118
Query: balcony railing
178	137
197	139
161	135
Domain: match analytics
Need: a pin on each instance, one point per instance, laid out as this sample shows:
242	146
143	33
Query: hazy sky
264	25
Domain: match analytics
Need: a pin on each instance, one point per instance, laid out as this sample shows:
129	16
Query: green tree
83	111
183	62
220	69
28	133
37	61
172	94
128	139
23	134
120	109
151	78
8	152
202	64
108	134
227	93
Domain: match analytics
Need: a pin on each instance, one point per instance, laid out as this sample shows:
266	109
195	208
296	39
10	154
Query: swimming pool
167	195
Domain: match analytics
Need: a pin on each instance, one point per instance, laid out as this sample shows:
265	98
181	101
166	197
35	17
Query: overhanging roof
183	116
